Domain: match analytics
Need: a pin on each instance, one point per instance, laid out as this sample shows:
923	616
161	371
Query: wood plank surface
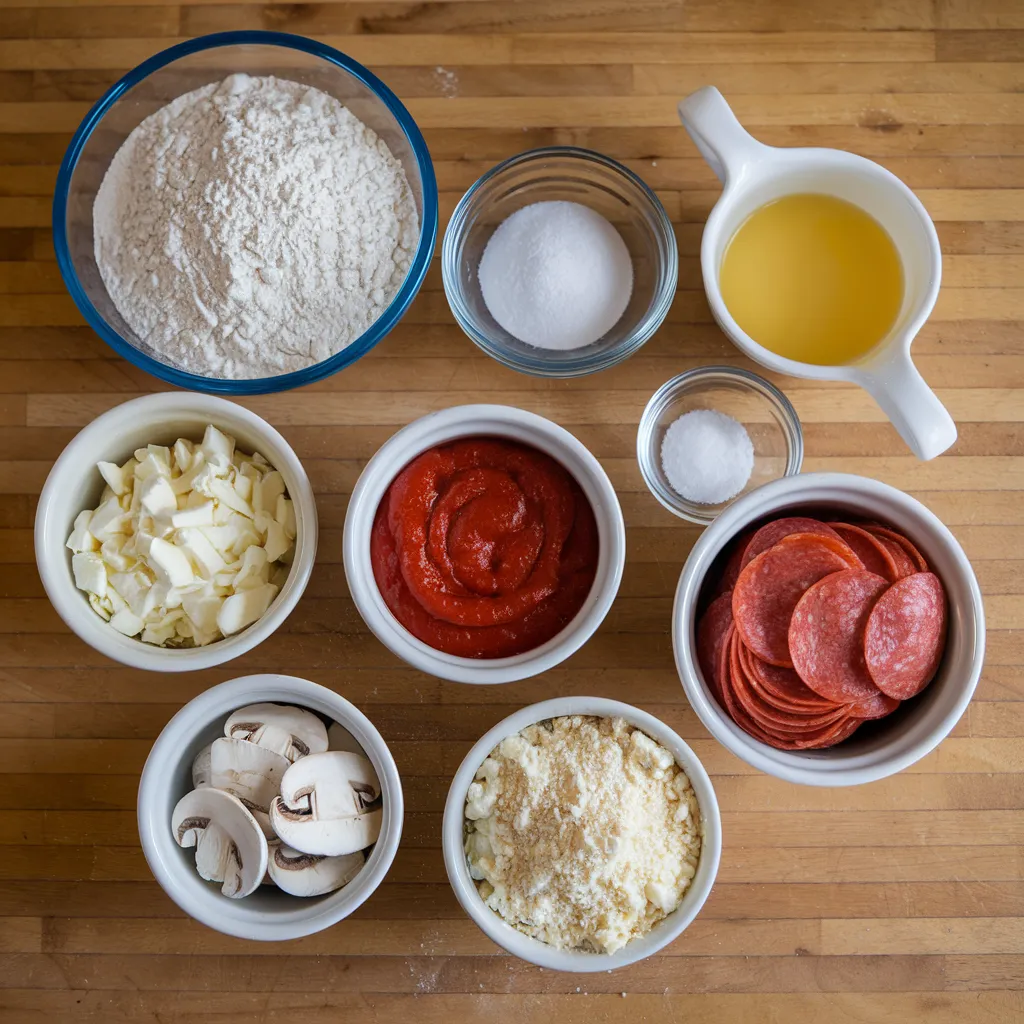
898	901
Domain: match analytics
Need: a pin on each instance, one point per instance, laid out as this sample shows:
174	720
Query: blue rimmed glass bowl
189	66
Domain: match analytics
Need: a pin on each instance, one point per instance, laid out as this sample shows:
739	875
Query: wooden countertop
898	901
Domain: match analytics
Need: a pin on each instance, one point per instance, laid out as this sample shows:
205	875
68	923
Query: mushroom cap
235	852
250	772
329	837
290	731
201	767
304	874
334	784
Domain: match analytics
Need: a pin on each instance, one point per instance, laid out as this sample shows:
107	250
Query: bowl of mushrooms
269	808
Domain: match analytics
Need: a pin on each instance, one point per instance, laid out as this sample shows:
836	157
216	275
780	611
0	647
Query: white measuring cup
754	174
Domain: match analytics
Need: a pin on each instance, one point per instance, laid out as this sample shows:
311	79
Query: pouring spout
902	394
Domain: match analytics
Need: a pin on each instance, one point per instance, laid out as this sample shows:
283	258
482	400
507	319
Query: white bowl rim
230	916
468	421
533	950
812	768
55	574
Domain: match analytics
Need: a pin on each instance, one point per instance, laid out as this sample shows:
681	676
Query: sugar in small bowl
712	434
559	262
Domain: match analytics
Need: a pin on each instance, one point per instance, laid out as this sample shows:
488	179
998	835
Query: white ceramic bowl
268	914
533	950
75	484
877	749
478	421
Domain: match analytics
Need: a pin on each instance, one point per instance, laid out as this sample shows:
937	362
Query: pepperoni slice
712	631
733	564
769	587
920	562
781	687
869	549
771	533
902	561
906	634
770	718
826	635
878	705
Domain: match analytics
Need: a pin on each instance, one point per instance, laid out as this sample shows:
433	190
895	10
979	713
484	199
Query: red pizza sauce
484	548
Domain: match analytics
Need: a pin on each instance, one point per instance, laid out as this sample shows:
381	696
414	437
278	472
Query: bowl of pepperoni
483	544
828	629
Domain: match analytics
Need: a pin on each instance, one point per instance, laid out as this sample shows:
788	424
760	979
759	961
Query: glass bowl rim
296	378
581	366
684	382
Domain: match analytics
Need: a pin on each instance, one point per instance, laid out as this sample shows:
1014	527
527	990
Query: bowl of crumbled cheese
245	212
176	532
581	834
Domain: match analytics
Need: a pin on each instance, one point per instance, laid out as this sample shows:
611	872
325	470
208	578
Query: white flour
253	227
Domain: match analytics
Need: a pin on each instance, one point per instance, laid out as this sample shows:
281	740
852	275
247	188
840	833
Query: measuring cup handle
916	413
722	140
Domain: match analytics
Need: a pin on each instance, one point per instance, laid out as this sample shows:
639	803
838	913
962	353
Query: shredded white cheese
582	832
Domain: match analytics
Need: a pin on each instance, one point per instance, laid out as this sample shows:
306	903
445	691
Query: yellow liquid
812	278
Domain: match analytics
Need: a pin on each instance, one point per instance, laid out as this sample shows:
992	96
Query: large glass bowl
191	65
579	176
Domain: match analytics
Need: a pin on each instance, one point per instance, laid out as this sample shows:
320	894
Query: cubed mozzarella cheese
285	515
277	542
171	566
108	519
205	557
158	497
81	539
244	608
114	477
90	573
266	490
197	515
127	622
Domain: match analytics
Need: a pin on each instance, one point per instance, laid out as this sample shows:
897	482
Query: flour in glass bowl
253	227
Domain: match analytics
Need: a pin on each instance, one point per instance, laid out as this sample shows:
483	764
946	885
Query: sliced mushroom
234	852
289	731
339	738
304	874
201	767
250	772
324	801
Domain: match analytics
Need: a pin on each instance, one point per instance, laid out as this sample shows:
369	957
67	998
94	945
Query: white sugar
707	456
556	275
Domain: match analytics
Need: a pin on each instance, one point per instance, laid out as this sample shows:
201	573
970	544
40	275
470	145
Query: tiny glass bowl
575	175
769	418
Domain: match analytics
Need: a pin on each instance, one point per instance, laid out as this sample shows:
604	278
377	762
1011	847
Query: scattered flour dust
253	227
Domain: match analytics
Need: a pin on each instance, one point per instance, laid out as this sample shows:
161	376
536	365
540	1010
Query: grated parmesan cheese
582	832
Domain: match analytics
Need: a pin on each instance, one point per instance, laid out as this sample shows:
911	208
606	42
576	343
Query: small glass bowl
579	176
768	415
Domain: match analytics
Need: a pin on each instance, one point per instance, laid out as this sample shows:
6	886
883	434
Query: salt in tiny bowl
534	950
575	175
768	415
267	914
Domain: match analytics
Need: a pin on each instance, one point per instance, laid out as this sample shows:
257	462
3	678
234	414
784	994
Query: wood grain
899	901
